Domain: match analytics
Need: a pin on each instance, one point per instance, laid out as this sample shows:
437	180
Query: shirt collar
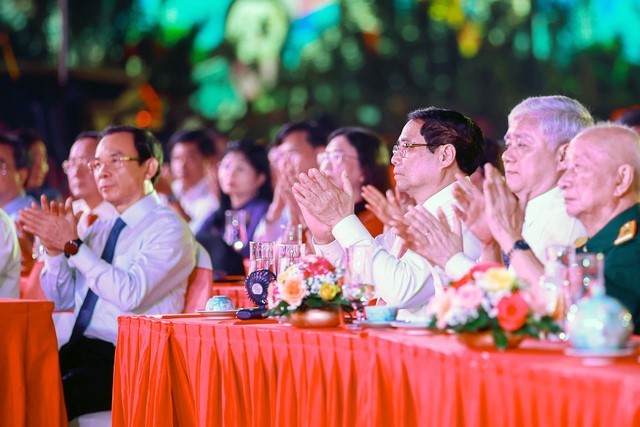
440	199
538	206
604	238
140	209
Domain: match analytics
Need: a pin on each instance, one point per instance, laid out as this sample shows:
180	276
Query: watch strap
518	245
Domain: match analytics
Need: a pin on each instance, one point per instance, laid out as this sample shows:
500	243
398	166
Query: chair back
199	287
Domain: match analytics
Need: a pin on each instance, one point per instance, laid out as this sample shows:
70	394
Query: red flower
470	276
512	312
316	265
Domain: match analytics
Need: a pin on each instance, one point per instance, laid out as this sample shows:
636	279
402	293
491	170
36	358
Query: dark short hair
316	136
202	139
442	127
93	134
147	145
21	156
373	155
257	157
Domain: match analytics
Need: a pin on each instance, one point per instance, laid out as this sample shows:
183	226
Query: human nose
396	158
507	156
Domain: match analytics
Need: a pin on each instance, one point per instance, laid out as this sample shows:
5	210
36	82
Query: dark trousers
87	376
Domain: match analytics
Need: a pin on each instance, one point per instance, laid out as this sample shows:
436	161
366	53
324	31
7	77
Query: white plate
219	314
369	324
617	352
405	324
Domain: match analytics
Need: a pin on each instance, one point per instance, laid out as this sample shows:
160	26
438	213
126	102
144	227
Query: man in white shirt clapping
435	145
136	263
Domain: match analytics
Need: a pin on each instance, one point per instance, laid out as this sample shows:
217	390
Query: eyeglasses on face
402	148
75	163
335	157
97	165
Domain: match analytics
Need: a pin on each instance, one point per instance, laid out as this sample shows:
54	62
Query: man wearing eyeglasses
136	263
435	145
87	199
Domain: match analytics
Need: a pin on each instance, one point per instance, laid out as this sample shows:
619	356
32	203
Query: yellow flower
497	280
328	291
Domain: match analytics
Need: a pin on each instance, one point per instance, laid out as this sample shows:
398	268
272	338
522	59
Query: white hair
560	118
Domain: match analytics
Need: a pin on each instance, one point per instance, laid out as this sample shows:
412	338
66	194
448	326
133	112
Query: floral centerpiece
312	283
489	298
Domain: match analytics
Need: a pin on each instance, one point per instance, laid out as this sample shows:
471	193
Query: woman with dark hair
245	184
364	156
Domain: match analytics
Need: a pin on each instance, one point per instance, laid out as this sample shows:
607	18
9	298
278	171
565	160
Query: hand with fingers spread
505	215
384	206
430	237
471	209
53	224
322	200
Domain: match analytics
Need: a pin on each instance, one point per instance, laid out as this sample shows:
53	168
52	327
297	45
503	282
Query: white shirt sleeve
10	258
141	277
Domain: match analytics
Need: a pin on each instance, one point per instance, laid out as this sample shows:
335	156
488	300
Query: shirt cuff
54	264
84	261
458	265
350	231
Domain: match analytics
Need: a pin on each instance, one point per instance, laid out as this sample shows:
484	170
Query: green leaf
499	338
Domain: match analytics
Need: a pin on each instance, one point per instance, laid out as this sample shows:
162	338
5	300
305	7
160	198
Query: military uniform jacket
620	244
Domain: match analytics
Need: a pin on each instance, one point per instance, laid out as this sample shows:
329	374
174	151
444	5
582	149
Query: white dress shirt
9	258
154	256
407	282
104	210
198	202
546	223
16	205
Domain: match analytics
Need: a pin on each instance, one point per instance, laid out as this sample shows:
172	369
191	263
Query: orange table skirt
200	372
30	384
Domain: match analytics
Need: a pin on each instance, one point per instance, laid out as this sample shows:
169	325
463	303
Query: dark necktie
89	303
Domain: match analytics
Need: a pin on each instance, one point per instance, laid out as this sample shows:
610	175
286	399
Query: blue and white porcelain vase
598	322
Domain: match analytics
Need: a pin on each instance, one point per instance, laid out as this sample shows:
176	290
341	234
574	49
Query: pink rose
316	265
440	305
469	296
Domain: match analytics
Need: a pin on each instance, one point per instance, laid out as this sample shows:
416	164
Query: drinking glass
261	256
291	233
586	275
289	254
235	229
358	288
555	282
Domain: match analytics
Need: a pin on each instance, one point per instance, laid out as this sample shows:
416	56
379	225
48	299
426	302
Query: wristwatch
519	245
72	247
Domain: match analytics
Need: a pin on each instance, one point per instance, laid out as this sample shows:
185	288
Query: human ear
447	155
152	168
624	180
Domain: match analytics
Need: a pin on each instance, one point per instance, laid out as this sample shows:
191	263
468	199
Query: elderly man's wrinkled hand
504	213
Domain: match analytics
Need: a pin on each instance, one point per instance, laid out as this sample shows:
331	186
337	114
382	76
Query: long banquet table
197	371
30	384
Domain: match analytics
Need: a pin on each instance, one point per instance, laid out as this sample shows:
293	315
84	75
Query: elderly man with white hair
601	188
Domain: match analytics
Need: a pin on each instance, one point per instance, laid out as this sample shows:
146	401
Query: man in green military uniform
602	188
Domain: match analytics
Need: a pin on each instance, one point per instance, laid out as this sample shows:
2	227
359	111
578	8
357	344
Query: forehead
84	147
295	141
235	158
116	143
6	154
411	130
341	143
185	147
523	125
